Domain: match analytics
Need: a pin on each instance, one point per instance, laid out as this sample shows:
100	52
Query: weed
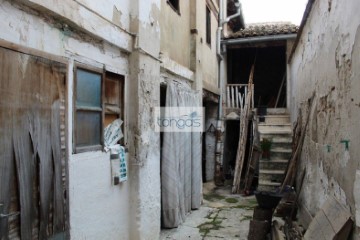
213	196
231	200
205	228
245	207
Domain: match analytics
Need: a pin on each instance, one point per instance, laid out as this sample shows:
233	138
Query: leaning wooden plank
242	136
290	174
331	222
240	151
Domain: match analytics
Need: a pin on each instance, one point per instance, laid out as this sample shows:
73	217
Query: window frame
175	8
97	147
111	76
208	25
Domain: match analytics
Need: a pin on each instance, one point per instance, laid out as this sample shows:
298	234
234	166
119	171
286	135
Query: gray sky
273	10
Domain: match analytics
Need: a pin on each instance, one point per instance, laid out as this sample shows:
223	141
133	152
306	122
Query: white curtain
181	176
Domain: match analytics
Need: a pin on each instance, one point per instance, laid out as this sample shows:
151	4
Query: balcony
236	99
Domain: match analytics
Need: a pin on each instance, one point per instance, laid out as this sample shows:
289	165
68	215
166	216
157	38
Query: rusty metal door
32	147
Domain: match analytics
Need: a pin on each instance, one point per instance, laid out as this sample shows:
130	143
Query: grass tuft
231	200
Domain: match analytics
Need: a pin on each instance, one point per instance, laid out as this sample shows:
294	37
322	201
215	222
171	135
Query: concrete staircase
276	127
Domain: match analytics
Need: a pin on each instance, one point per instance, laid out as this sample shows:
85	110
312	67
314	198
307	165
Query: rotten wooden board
332	222
31	89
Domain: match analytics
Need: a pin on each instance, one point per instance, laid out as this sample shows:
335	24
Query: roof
265	29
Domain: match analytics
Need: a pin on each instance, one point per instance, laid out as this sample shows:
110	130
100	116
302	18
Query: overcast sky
273	10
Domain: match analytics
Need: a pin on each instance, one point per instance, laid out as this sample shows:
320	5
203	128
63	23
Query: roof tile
265	29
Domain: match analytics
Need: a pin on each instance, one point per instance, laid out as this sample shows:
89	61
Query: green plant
265	147
266	144
231	200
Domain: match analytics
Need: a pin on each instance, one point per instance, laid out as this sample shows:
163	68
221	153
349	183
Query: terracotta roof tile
265	29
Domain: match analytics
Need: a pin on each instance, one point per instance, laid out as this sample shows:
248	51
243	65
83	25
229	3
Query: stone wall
325	64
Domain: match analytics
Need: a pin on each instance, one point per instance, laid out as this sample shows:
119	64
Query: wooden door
32	147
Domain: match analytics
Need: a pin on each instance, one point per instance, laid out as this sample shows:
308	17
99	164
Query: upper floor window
175	5
208	26
98	102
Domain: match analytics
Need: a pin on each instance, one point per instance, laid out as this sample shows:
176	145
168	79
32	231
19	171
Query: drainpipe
219	175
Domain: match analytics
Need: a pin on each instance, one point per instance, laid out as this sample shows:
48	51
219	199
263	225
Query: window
175	5
98	103
208	26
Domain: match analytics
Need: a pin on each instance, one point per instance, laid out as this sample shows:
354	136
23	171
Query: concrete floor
221	216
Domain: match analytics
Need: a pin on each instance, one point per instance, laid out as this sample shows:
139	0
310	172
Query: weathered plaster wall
144	142
92	199
99	210
175	42
180	49
326	63
45	34
92	19
207	54
289	46
114	11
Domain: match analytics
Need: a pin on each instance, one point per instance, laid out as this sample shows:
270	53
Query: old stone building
68	70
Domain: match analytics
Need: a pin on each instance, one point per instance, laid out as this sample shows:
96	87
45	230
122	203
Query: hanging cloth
181	181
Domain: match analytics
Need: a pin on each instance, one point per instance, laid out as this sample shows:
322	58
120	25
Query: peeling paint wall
144	143
326	62
98	209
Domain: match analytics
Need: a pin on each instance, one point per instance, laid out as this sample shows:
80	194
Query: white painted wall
326	63
98	210
89	19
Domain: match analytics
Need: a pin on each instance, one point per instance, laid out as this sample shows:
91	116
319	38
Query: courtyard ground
222	216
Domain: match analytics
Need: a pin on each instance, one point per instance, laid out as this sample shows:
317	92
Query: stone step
273	164
268	186
271	175
274	128
280	153
270	119
264	124
276	111
282	142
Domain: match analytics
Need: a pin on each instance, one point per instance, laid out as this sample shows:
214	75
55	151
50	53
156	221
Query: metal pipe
220	123
270	38
219	31
237	14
